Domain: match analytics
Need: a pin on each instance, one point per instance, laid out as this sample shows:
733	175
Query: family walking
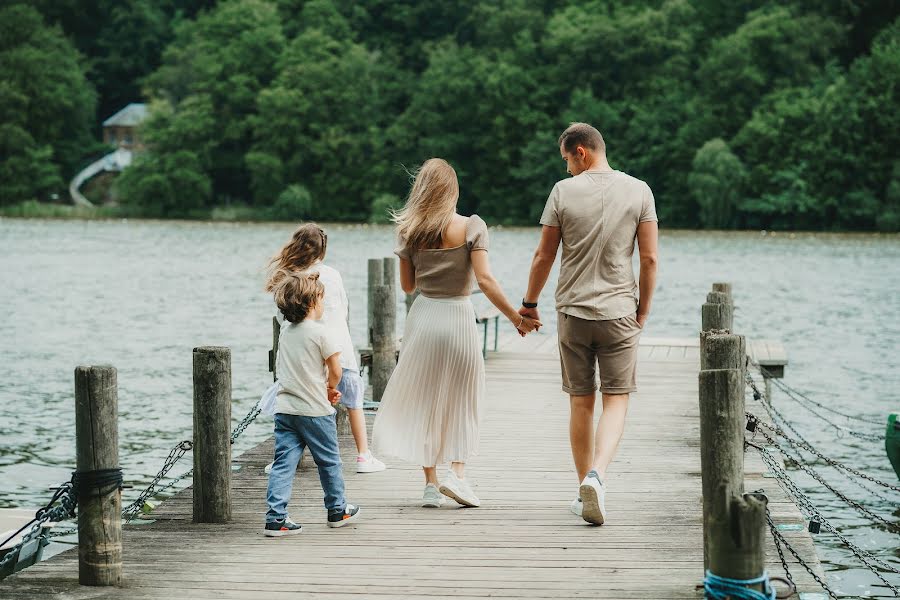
431	409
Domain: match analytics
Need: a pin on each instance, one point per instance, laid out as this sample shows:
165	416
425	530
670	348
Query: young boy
304	407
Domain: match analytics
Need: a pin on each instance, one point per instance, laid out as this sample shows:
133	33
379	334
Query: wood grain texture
522	543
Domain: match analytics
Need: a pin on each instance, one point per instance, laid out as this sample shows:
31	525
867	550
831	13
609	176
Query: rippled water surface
141	294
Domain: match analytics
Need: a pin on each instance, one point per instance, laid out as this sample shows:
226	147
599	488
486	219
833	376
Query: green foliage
382	208
295	203
748	113
716	181
46	106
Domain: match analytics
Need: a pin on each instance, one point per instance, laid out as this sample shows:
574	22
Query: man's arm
648	240
544	256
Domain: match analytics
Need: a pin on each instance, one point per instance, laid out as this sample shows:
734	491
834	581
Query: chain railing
817	519
60	508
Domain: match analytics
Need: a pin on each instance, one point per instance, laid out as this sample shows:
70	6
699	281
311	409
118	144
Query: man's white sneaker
593	494
577	507
459	490
366	463
432	498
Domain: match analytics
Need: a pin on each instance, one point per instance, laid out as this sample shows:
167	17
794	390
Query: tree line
745	114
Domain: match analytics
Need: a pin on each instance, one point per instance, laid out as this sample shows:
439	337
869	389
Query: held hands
528	321
334	396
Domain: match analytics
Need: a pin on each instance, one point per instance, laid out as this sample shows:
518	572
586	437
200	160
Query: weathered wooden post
722	351
212	434
737	532
718	312
723	287
97	449
383	291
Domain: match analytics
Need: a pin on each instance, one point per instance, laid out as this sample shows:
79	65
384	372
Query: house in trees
120	130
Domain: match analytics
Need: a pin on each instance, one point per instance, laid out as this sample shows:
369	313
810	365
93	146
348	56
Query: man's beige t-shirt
302	350
598	213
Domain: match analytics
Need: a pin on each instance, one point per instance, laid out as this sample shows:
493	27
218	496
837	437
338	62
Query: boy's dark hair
297	293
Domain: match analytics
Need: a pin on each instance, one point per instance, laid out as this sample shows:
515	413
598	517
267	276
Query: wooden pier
522	543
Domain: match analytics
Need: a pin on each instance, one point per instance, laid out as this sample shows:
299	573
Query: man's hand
530	313
334	396
642	319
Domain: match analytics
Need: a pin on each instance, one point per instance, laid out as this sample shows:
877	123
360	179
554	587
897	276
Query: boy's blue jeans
294	433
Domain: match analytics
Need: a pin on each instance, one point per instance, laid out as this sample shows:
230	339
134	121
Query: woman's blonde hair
307	245
430	206
297	293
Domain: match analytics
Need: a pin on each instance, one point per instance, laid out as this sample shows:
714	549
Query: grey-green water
141	294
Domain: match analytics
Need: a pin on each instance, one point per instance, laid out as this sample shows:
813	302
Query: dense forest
739	114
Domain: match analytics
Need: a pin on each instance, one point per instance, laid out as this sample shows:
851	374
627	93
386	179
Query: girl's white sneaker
366	463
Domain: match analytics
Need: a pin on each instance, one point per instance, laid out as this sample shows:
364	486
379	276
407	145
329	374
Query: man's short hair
584	135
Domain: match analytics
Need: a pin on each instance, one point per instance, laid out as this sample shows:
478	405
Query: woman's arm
407	276
494	292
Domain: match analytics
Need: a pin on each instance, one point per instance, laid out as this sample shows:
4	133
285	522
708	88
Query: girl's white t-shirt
337	310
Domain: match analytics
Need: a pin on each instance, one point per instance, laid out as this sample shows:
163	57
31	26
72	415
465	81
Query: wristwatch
529	304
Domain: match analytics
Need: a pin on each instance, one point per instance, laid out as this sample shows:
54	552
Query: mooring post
737	533
718	311
273	353
97	449
212	434
376	278
384	329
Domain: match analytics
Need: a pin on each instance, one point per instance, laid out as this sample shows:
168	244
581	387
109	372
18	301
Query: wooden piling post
376	278
212	434
737	536
722	351
97	448
384	322
273	353
718	311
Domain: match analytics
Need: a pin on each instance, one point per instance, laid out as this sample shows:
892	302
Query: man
597	214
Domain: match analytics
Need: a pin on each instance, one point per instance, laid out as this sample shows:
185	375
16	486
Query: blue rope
721	588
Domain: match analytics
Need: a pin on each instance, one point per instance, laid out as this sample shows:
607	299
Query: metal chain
245	422
795	394
795	455
67	498
809	448
175	454
775	415
872	562
781	540
863	436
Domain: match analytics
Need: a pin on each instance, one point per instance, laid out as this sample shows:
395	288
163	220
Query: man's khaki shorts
610	346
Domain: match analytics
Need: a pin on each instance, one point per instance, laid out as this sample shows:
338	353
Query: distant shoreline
245	214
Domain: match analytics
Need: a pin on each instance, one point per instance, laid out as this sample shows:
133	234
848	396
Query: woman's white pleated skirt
431	408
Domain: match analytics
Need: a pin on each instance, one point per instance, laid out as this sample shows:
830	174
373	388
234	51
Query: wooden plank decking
522	542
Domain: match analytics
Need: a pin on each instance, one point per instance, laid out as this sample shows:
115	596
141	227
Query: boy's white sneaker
268	468
366	463
459	490
432	498
577	507
593	495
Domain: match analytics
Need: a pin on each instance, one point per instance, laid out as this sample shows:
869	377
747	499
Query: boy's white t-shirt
302	350
337	309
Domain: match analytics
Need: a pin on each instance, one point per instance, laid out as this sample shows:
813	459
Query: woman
430	410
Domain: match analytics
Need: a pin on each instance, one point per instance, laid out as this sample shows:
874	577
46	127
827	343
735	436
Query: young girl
305	253
430	410
304	416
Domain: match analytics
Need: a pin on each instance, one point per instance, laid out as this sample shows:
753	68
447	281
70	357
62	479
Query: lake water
141	294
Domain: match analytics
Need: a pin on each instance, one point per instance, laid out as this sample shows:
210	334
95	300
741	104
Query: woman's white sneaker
432	498
577	507
593	495
459	490
366	463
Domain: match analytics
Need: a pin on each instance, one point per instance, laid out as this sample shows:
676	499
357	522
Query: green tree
716	182
46	105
